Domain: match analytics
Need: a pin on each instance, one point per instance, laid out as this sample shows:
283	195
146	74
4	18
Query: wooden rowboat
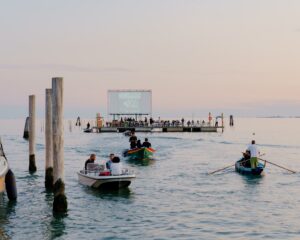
139	153
242	169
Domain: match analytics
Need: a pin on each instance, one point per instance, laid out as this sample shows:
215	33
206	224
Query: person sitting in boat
109	162
246	159
254	152
116	166
146	144
133	140
139	144
90	160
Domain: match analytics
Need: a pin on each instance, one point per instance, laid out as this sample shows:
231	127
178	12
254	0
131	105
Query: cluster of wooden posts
54	142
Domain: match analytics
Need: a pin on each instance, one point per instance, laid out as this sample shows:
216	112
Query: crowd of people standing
132	122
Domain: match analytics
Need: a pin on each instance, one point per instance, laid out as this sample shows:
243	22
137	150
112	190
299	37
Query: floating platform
156	129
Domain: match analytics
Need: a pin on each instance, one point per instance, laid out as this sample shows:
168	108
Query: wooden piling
231	122
26	129
32	121
49	142
60	204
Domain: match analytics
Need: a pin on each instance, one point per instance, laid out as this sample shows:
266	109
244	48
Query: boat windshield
94	169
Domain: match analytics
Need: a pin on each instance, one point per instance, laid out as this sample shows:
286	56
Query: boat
7	177
3	171
91	130
127	133
139	153
96	176
241	168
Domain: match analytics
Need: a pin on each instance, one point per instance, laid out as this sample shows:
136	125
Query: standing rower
254	152
133	140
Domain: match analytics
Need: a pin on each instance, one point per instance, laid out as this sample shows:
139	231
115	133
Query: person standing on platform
217	124
209	118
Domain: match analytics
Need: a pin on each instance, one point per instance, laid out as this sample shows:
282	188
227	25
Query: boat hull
249	171
140	153
2	184
3	171
105	182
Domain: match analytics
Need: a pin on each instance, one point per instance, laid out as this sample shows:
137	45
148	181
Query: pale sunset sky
232	56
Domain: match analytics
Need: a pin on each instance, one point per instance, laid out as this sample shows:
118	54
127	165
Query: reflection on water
171	197
7	209
57	226
125	193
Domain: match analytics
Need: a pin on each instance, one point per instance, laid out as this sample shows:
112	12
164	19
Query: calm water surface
172	197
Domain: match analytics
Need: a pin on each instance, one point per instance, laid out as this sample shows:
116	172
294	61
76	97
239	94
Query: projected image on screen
129	102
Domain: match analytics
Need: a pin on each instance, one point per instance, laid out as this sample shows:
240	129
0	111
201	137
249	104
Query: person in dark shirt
88	125
108	163
90	160
133	140
147	144
138	144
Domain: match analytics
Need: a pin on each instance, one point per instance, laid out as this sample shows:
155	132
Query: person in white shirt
116	166
254	153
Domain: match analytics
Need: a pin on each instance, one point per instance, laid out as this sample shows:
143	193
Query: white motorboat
3	170
7	177
97	177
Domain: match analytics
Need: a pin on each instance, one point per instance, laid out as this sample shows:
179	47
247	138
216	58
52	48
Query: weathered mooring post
222	118
26	129
231	123
60	203
49	141
32	120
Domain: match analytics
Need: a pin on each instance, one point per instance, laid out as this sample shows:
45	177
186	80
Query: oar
219	170
277	165
245	160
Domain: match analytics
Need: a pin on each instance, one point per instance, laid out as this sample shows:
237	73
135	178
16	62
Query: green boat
140	153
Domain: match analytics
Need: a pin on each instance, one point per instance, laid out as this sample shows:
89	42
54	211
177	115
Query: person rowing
254	154
133	140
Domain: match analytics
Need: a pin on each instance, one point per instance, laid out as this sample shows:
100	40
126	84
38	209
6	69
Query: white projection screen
129	102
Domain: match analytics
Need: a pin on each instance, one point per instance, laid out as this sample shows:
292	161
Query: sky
231	56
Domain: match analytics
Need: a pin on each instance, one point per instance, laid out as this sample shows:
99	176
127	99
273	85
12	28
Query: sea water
172	197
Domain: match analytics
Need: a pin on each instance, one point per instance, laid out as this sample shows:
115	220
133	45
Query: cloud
62	67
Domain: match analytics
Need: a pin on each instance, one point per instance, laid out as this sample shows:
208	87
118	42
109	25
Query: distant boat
97	177
91	130
240	168
140	153
3	170
127	133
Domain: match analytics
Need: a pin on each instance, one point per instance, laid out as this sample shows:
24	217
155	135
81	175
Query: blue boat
241	168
